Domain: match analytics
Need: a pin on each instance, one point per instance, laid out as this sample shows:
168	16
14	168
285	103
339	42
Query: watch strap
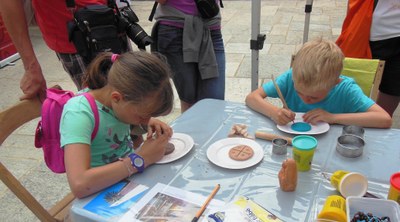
137	162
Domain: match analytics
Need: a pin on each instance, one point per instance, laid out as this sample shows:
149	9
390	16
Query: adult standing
194	49
385	45
371	29
52	18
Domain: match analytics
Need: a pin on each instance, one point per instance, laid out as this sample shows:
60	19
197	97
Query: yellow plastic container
394	190
336	177
303	151
334	209
349	183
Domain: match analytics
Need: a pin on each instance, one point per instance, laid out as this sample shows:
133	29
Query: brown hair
318	64
141	77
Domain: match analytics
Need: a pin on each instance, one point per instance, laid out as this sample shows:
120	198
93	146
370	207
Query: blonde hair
318	64
141	77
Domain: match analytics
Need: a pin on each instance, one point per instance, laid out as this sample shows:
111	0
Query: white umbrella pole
256	42
308	9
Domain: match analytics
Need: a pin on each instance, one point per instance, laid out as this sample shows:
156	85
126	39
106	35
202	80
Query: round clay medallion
169	148
241	152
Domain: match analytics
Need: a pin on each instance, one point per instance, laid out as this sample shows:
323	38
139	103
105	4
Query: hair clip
114	57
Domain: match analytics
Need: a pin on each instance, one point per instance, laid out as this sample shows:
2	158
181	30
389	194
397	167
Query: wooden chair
10	120
366	72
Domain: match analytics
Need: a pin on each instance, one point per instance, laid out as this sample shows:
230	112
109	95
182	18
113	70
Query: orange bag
354	39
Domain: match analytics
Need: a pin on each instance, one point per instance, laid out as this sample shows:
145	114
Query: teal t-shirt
112	140
345	97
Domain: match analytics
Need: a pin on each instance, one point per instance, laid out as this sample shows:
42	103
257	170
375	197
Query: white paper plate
183	144
218	153
319	128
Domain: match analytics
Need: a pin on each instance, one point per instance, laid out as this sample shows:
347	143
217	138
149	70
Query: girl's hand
283	116
318	115
153	149
157	128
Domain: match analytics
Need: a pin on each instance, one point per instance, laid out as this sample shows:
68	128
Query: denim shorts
388	50
188	83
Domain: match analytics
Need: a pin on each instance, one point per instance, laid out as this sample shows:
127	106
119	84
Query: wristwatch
137	162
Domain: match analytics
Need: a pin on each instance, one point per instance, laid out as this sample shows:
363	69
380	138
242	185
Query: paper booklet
116	200
169	204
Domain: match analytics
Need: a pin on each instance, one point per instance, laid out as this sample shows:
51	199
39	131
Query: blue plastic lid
304	142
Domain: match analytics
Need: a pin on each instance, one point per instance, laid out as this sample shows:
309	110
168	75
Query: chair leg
16	187
61	209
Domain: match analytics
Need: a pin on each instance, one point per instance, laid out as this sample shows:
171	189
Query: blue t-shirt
345	97
112	140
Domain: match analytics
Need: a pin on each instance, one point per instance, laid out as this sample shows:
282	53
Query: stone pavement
281	20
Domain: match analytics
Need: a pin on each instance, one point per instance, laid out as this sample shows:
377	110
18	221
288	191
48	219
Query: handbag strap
71	4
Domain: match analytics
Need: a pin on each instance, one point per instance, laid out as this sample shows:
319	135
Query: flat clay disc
301	127
169	148
241	152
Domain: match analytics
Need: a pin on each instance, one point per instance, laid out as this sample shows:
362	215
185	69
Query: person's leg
169	43
388	102
389	89
215	87
74	65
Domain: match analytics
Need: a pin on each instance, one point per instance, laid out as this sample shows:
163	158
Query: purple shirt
185	6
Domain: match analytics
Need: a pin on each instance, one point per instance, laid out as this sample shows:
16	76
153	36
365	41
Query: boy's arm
13	15
256	101
374	117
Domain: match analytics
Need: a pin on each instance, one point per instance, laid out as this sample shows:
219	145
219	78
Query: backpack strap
95	111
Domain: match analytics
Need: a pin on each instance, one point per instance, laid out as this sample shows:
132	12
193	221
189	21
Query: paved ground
281	20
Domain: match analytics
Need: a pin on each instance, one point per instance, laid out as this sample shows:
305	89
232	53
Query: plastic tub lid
304	142
395	180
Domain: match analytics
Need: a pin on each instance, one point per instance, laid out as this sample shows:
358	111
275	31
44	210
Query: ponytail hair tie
114	57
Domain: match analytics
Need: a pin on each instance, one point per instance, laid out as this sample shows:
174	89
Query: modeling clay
301	127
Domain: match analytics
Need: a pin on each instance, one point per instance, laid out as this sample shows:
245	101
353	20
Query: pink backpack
47	134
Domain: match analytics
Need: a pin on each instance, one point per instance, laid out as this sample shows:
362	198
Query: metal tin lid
350	146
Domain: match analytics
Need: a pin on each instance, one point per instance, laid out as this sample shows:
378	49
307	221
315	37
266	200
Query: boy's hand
284	116
158	128
318	115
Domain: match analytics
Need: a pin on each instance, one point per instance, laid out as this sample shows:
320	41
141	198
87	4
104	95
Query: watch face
138	162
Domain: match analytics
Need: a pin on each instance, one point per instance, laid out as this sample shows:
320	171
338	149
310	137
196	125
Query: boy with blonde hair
315	87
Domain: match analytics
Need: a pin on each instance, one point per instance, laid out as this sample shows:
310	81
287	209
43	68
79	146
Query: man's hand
33	84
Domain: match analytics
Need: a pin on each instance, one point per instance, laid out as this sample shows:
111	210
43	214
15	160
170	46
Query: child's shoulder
349	85
347	79
77	102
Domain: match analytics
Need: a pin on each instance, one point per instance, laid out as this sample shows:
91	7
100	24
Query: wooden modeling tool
271	136
280	94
